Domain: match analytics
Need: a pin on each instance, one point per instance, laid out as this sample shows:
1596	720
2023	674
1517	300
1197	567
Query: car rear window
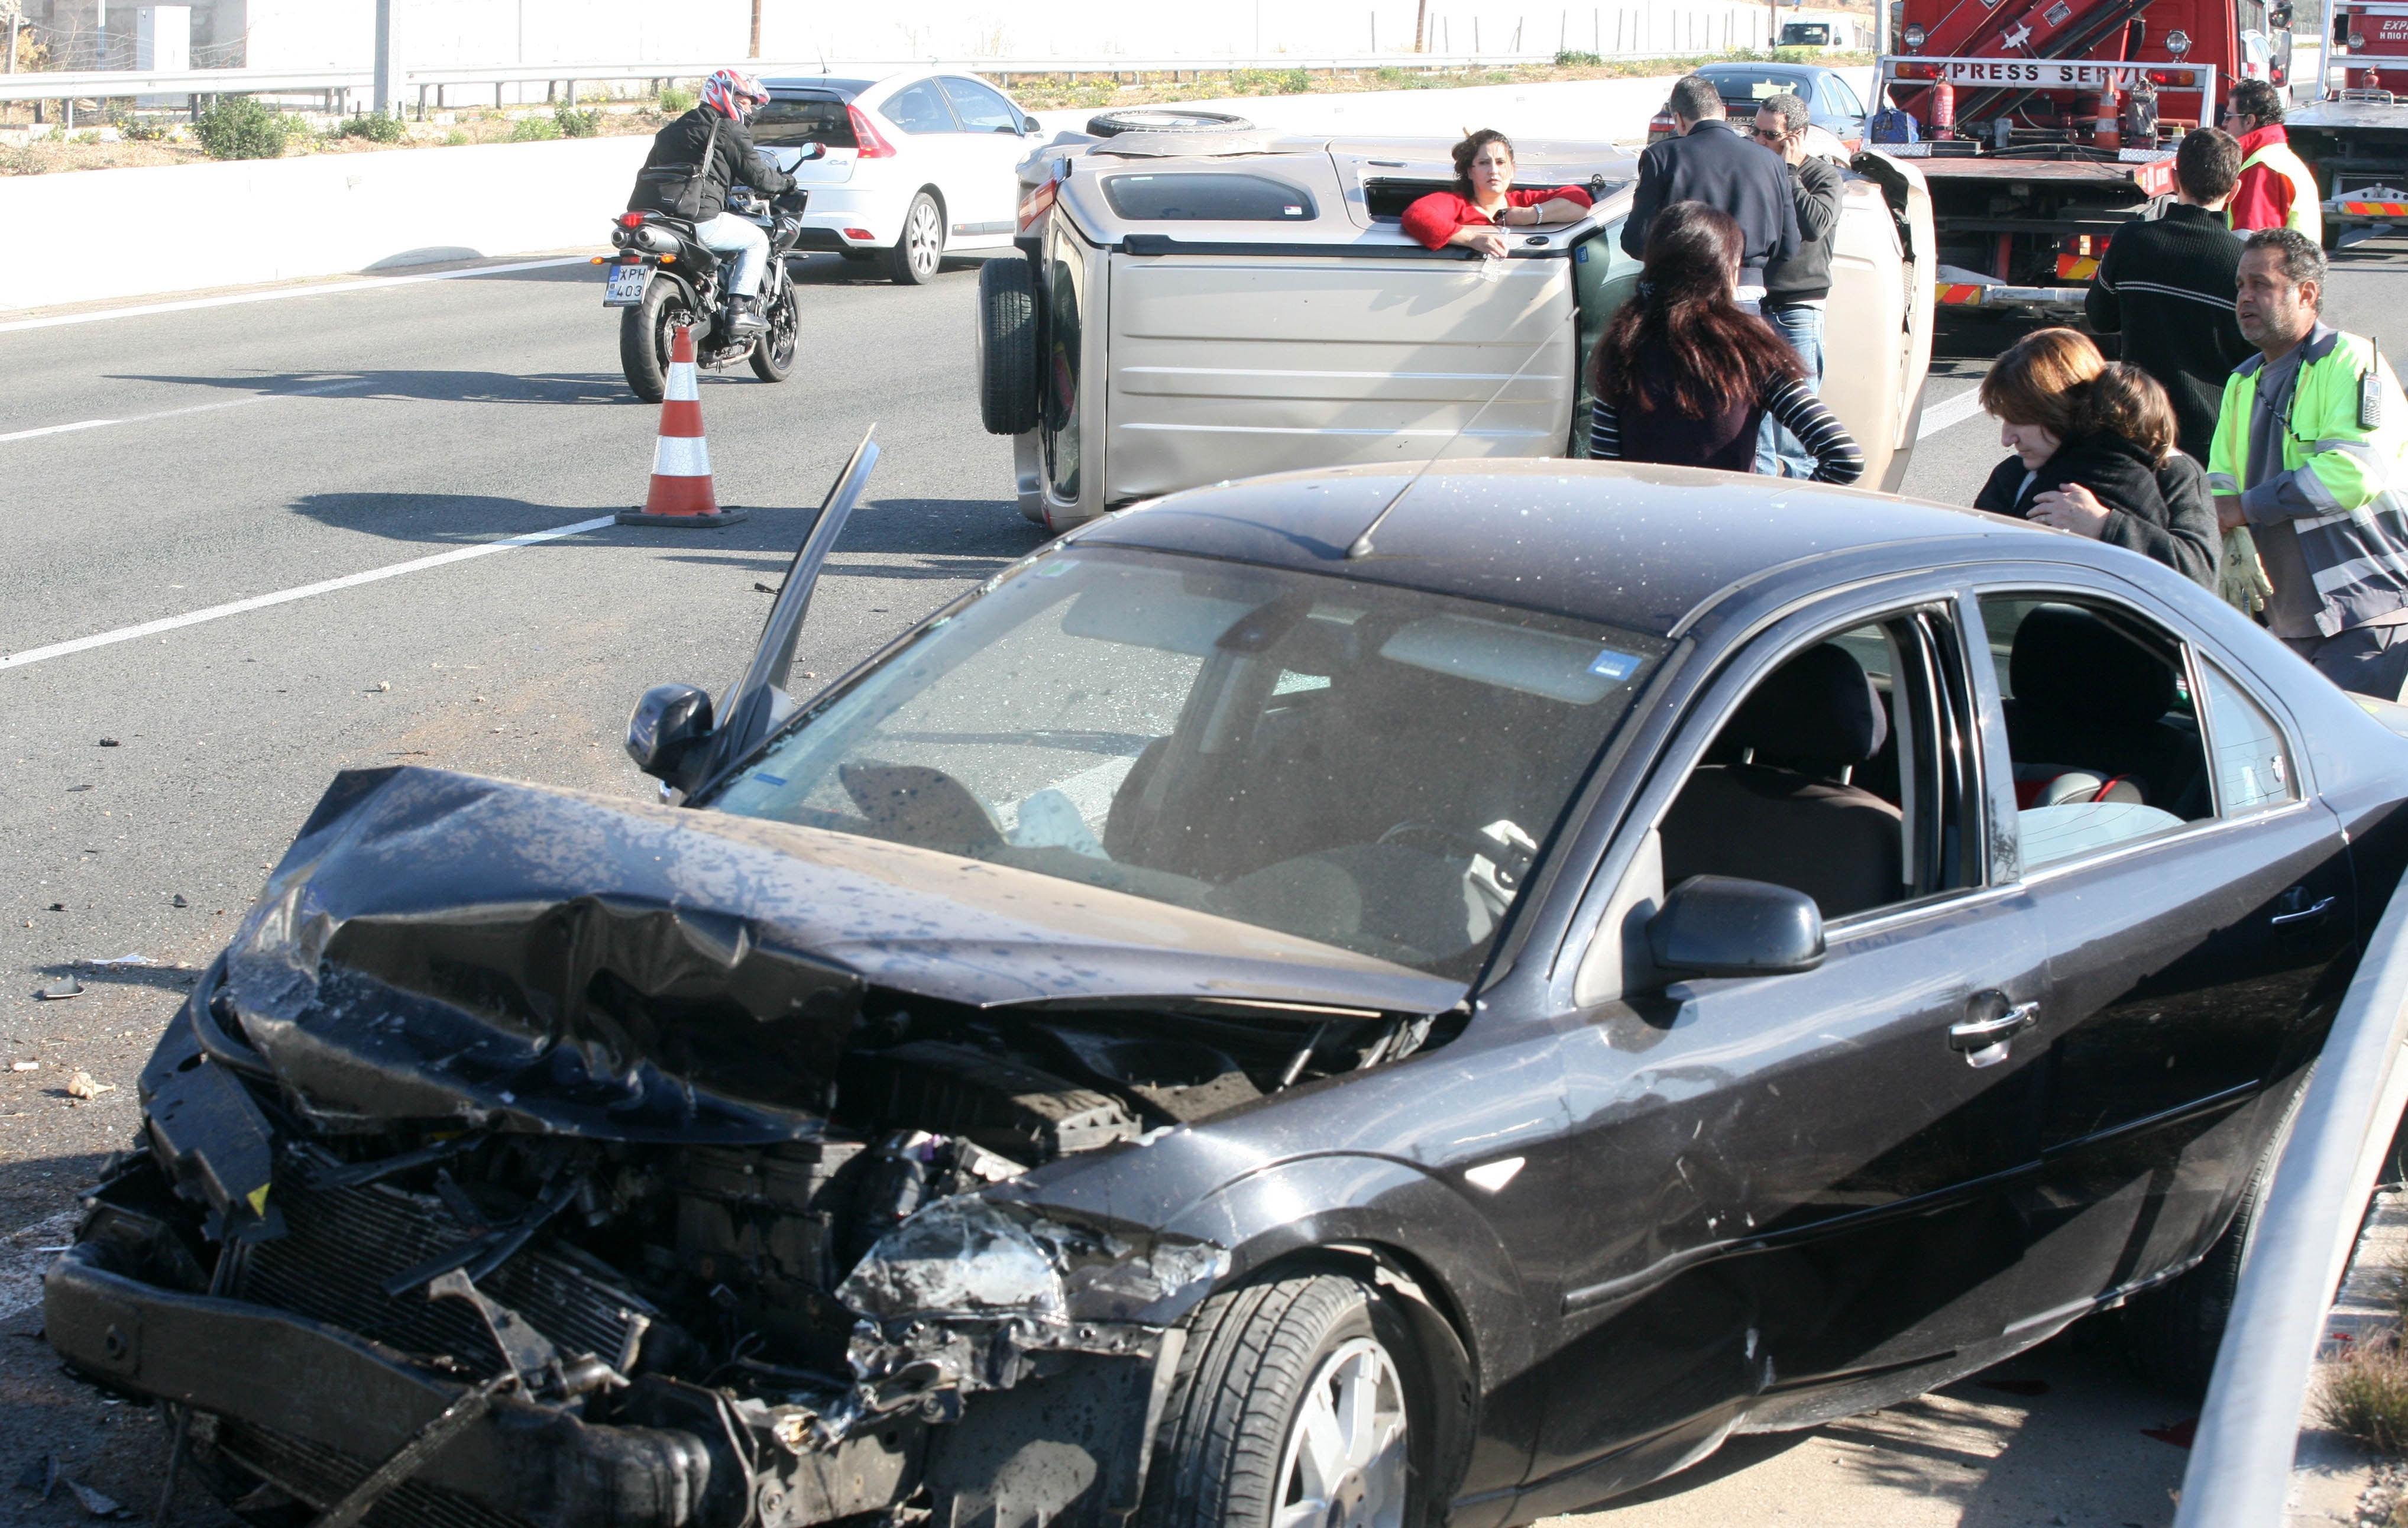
1755	87
1206	197
791	122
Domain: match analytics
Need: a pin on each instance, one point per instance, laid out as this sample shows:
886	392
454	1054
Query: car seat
2087	697
1770	805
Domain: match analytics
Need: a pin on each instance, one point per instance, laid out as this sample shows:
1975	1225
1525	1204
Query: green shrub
1298	81
136	131
575	124
534	129
456	137
1573	58
239	127
675	101
375	126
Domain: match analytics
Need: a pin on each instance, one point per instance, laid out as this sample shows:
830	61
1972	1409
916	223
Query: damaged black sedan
1358	999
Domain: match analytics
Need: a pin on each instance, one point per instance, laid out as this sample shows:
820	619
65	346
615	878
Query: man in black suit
1713	162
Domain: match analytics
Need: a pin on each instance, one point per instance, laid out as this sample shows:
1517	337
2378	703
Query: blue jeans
1778	454
728	234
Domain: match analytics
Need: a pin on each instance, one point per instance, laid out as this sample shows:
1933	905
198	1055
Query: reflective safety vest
2355	545
2306	211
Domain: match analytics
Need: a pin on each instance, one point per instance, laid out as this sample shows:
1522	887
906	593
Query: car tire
920	249
2169	1334
1007	346
1255	1426
1112	125
645	332
773	354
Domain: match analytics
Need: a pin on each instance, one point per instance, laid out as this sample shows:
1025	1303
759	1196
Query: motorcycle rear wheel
773	354
645	332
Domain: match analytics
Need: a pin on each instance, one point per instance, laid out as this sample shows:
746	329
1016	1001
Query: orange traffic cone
681	494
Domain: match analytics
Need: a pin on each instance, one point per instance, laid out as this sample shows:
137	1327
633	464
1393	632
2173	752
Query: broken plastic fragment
58	990
179	901
106	742
94	1503
959	1257
25	1066
125	960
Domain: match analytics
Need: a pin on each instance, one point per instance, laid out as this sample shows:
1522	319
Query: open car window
1371	767
2103	732
1839	774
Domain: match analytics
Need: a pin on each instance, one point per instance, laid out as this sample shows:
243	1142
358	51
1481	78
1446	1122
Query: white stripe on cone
681	388
680	456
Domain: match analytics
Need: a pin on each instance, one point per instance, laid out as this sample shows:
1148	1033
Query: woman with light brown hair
2094	455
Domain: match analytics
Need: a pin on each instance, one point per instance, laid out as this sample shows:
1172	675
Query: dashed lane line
192	408
1948	412
260	602
280	293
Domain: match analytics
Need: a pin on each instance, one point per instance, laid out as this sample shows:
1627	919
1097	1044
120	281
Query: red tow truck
2045	124
2353	132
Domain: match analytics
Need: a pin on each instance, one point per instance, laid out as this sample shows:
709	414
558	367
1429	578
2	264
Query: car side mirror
664	726
1723	926
1031	124
812	152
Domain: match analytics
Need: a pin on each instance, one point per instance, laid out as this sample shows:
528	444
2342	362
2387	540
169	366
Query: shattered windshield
1371	767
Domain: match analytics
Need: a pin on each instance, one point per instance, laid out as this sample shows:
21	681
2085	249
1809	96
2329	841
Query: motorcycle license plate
626	287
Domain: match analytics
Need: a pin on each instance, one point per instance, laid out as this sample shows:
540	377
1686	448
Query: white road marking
194	409
259	602
24	1253
1950	411
59	429
280	294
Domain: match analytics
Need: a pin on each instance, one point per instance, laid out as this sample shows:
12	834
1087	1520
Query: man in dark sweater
1795	289
2166	285
1712	162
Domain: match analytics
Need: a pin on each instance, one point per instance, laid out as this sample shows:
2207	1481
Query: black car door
1785	1188
2199	923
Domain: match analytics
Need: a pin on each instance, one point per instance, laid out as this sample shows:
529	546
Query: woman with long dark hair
1683	374
1484	200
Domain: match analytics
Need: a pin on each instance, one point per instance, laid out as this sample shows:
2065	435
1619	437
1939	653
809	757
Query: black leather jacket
734	158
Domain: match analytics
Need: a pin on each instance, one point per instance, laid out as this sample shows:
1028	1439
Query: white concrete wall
176	228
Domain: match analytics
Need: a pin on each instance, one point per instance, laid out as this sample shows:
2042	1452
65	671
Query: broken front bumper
312	1409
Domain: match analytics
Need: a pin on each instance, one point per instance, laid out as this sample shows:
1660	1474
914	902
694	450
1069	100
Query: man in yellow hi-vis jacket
2311	453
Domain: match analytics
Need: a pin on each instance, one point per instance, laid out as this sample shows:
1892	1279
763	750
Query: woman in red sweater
1484	200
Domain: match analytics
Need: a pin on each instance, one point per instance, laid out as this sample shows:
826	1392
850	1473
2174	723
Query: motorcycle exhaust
647	239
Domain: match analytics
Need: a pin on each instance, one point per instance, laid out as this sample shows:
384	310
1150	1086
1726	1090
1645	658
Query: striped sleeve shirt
1837	457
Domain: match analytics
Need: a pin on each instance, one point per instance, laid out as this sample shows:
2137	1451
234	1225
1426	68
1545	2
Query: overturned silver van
1198	306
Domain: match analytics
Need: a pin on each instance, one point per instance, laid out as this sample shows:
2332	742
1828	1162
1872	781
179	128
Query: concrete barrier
92	234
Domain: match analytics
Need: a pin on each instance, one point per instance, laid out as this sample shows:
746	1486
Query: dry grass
2365	1396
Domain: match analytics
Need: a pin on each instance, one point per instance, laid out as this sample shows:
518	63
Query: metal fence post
387	89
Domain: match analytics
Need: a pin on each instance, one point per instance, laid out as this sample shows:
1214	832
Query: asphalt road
217	454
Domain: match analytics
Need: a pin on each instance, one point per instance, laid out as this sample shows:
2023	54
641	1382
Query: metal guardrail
106	83
2240	1470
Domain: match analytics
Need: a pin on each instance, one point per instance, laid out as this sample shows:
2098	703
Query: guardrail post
387	89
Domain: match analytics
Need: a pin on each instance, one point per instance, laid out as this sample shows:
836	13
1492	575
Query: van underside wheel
1110	124
914	259
1007	346
1299	1402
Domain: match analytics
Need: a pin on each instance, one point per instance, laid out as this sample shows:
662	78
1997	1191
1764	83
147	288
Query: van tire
1112	125
1007	346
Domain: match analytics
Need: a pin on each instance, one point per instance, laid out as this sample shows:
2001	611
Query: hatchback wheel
1299	1402
914	256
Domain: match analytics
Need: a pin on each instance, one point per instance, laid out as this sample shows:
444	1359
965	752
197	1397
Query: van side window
1192	196
2102	731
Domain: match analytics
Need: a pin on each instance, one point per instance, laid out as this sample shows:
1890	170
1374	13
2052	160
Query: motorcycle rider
729	99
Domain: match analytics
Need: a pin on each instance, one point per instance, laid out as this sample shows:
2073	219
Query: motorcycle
663	277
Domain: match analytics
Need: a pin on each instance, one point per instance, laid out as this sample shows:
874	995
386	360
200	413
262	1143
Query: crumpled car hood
437	944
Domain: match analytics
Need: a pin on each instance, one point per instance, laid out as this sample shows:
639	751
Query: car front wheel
1299	1402
914	258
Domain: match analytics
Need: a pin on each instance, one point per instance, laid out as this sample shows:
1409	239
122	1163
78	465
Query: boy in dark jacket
716	126
2166	285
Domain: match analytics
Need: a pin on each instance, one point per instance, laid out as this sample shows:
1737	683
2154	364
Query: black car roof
1638	547
820	84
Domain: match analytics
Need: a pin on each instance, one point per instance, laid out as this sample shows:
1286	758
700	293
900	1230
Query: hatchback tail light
873	145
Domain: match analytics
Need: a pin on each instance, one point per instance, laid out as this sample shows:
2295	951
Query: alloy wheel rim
924	238
1344	1465
665	333
785	324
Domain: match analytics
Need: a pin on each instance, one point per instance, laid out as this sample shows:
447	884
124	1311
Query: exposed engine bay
592	1212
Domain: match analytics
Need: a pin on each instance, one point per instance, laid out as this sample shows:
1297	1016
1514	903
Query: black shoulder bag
676	189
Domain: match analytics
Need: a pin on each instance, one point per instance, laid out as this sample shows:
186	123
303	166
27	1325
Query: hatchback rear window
1207	197
789	122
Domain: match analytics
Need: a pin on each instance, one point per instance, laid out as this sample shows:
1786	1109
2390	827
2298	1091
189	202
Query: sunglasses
1763	137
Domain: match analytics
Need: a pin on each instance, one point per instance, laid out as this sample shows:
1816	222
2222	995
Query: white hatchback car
914	163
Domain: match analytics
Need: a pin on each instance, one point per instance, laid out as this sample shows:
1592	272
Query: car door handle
1984	1040
2304	914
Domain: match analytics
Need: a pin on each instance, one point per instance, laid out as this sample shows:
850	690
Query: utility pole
387	88
756	30
1421	23
1772	23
